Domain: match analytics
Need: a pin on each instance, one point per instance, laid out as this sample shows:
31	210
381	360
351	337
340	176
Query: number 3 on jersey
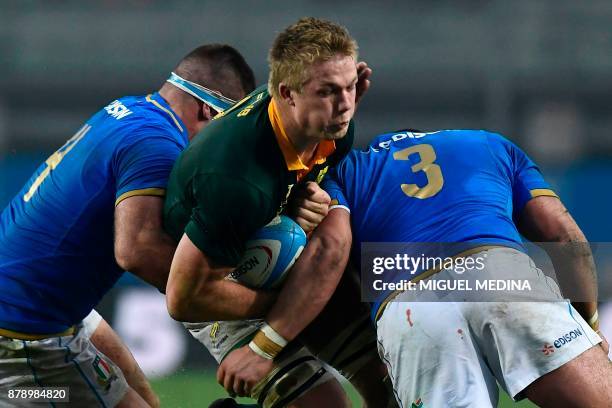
432	171
54	160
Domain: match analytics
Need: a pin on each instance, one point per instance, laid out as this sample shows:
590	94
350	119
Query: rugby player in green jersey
239	174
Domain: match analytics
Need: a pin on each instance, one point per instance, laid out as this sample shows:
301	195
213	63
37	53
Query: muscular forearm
575	270
574	265
197	290
218	300
109	343
312	281
149	257
546	221
141	245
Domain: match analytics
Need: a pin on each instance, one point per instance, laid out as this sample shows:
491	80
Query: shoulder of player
148	136
142	120
243	157
498	142
502	151
248	107
238	139
119	127
483	134
143	114
470	140
466	137
465	133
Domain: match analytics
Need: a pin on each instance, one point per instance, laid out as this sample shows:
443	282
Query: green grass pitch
197	389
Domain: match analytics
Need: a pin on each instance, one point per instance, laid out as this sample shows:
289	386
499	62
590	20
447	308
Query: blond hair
302	44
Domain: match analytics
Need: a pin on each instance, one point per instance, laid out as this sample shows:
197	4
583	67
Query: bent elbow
177	306
127	258
189	306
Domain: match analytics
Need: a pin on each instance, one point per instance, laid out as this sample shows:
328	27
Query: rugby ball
270	253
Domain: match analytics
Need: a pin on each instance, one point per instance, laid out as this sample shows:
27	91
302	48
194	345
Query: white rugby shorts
449	354
71	361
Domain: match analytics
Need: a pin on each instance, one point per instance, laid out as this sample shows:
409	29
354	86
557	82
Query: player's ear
206	113
286	94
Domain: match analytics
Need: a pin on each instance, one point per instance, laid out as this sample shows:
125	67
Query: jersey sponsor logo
567	338
213	330
396	138
417	403
117	110
260	253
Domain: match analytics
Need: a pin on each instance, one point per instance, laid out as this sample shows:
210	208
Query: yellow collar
294	163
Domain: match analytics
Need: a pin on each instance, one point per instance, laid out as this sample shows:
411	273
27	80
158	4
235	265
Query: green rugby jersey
237	174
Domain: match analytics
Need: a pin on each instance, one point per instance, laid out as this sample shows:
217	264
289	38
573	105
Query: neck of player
304	145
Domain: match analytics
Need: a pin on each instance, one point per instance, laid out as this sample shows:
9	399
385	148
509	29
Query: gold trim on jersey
142	192
29	337
257	97
324	149
154	102
429	273
538	192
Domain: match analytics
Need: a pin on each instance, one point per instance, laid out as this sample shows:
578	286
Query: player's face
326	103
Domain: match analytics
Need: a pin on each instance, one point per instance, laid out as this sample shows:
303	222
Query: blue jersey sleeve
142	166
333	185
525	176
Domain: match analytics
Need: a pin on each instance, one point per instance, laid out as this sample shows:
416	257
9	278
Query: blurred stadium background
539	72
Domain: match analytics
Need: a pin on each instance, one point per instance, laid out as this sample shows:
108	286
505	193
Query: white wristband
259	351
273	335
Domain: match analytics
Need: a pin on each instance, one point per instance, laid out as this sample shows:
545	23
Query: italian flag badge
104	371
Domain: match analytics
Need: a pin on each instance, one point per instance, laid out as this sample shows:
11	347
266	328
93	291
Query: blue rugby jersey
56	236
449	186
